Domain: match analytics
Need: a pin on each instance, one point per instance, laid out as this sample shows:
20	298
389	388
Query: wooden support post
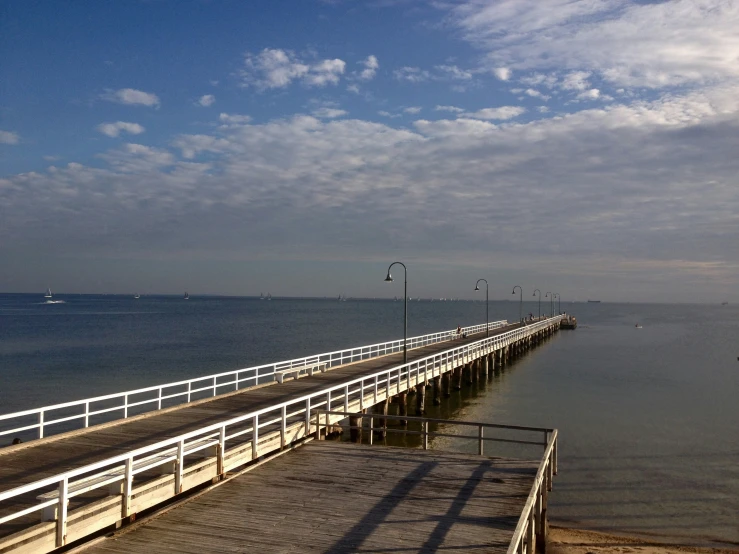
384	410
468	372
437	390
402	400
420	399
457	378
484	368
446	384
355	433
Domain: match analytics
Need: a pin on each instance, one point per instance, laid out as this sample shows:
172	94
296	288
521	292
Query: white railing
533	521
118	405
252	435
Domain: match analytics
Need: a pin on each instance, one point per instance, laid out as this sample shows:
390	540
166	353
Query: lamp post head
477	288
388	279
514	291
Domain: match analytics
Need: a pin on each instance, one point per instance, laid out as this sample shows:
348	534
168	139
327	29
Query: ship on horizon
594	301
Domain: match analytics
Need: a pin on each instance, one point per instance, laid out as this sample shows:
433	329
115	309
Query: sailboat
269	296
136	296
49	297
187	296
261	296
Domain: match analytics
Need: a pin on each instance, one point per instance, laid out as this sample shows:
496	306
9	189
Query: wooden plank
338	497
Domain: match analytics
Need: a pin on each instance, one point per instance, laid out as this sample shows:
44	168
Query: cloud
206	100
412	109
233	119
536	94
328	113
663	200
8	137
502	113
591	94
502	73
274	68
454	72
131	97
370	69
385	113
576	80
115	129
633	44
412	74
453	109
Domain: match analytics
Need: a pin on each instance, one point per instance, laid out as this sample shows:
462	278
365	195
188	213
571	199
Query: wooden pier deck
38	459
339	497
60	489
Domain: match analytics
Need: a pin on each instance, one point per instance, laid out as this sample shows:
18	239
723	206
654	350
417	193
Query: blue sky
233	147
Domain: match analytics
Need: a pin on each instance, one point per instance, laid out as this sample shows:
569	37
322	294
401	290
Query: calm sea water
648	418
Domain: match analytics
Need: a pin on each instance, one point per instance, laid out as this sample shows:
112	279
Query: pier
58	489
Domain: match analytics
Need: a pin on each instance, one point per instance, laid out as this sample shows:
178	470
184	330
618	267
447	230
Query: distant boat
594	301
137	296
49	297
261	296
724	303
269	296
187	296
638	326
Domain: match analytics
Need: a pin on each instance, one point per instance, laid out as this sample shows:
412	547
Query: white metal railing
118	405
289	421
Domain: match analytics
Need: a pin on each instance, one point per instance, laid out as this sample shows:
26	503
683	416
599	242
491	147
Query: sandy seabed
574	541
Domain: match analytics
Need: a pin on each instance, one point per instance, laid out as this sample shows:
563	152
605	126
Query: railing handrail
435	337
525	519
173	441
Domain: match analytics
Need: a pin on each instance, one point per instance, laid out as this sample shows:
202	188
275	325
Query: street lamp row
389	278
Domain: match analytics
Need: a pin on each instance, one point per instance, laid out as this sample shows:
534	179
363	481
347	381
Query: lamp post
405	308
559	302
535	291
551	306
487	310
520	303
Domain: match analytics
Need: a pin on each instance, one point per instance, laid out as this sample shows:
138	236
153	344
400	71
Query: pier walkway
85	480
331	497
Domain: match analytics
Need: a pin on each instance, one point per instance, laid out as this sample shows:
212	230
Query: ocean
648	417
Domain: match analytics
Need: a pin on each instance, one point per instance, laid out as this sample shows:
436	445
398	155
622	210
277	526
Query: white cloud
353	88
8	137
370	68
576	80
453	109
274	68
232	120
131	97
454	72
115	129
502	113
206	100
664	200
634	44
536	94
412	74
502	73
591	94
385	113
329	113
412	109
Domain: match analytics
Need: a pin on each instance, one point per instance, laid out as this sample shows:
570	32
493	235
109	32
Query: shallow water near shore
648	417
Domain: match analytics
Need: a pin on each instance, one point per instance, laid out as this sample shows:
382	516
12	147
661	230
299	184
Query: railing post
283	428
125	406
127	487
214	385
41	424
377	377
371	430
480	436
189	388
361	395
159	399
530	533
346	399
61	522
87	414
179	467
387	385
425	435
221	460
307	416
328	401
254	437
